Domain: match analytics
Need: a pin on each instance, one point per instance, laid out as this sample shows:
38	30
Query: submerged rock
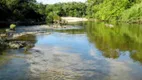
14	46
15	40
20	41
109	25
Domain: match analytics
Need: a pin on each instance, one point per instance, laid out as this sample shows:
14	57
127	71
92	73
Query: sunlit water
92	52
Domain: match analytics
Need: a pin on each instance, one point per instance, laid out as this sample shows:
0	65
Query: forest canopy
32	12
19	10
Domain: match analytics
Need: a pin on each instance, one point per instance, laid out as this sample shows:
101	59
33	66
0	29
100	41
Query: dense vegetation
73	9
122	10
20	10
29	11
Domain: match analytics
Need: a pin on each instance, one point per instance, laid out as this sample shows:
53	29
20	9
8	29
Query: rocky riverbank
19	40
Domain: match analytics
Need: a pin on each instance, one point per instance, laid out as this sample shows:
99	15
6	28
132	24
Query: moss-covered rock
12	26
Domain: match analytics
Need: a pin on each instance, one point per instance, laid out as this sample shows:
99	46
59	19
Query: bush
52	17
12	26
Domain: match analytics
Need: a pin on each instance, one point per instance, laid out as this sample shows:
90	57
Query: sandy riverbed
73	19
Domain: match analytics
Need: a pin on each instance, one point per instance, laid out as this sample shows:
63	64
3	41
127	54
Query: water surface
91	51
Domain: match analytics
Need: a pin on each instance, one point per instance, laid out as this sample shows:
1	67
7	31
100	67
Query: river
84	51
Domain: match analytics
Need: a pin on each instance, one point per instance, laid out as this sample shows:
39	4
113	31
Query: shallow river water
85	51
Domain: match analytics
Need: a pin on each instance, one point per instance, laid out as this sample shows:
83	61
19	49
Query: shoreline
5	24
73	19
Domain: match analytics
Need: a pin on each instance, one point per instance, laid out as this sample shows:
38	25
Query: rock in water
14	46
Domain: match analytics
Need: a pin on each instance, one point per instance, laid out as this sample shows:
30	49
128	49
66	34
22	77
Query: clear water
92	52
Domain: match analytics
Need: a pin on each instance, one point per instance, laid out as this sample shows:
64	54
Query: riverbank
18	38
78	19
73	19
5	24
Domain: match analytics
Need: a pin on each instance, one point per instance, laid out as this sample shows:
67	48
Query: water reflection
114	42
108	55
2	49
71	56
13	66
72	31
92	52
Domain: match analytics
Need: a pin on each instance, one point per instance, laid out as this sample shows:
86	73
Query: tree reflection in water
113	42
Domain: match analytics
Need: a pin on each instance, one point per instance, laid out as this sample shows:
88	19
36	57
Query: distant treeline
73	9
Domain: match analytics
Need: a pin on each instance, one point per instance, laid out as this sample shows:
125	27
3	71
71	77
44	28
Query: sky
56	1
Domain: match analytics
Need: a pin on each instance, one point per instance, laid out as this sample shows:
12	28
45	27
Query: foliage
20	10
74	9
12	26
111	10
30	11
133	14
52	17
